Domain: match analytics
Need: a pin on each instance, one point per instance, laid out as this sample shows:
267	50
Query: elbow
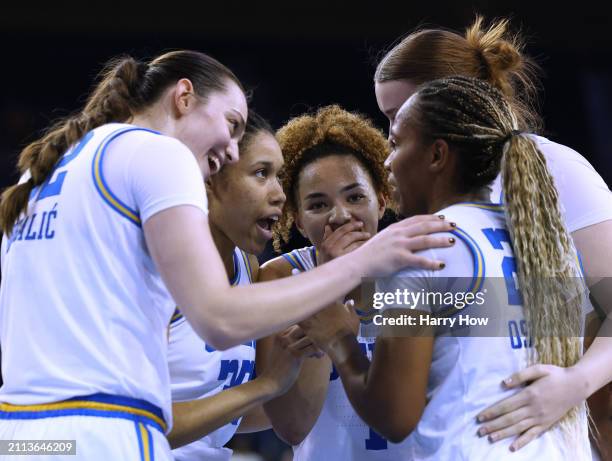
396	430
216	333
291	435
397	435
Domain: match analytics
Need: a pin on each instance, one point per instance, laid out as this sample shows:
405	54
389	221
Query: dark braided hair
126	87
480	125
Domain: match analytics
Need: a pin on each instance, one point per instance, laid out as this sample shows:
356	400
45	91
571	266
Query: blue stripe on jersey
579	258
236	277
102	187
139	437
294	261
176	316
102	405
247	264
478	258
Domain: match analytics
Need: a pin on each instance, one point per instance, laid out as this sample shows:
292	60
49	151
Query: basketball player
212	389
337	192
450	141
494	55
106	227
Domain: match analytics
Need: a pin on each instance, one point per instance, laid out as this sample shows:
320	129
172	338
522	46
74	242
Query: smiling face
246	197
334	190
212	128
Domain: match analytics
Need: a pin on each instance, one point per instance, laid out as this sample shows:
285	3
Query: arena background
295	57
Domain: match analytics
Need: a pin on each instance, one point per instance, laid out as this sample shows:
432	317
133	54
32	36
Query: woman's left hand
550	392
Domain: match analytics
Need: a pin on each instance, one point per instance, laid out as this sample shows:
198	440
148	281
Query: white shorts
101	431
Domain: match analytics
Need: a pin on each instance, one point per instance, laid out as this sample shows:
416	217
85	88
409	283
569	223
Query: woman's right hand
393	249
288	351
341	241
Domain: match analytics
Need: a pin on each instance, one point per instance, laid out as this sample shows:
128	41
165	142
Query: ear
382	206
184	96
440	156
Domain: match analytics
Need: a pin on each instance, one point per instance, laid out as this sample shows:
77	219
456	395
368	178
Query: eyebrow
265	163
344	189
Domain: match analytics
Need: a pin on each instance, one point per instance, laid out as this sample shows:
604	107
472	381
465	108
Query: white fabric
466	372
198	371
584	196
83	309
339	433
97	439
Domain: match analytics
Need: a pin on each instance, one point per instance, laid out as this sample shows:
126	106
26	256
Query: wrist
267	387
582	386
341	348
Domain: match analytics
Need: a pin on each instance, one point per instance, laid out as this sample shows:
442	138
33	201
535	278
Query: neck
155	118
441	200
225	247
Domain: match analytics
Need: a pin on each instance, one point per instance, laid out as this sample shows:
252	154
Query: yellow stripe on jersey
479	263
102	187
484	206
146	442
82	405
247	264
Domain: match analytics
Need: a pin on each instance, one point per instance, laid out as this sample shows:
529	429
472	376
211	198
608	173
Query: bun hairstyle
492	54
126	86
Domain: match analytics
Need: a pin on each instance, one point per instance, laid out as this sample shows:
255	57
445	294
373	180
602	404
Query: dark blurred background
295	56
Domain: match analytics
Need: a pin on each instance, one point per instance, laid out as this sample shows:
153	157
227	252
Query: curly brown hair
330	131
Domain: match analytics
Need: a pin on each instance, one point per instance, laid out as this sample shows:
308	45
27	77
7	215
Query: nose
277	195
232	153
388	162
338	216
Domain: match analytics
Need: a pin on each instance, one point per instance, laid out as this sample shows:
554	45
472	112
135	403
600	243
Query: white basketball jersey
466	372
339	433
584	197
197	370
83	309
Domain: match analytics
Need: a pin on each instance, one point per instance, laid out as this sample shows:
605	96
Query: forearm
295	298
197	418
353	367
294	413
595	367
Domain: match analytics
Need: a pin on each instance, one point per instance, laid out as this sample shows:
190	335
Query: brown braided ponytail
126	87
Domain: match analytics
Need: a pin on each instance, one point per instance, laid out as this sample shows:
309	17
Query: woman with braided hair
449	141
107	231
495	55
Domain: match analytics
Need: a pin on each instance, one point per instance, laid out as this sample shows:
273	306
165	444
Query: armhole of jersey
100	183
477	258
237	268
247	265
294	261
176	316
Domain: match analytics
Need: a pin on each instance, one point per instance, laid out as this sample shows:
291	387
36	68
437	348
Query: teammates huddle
135	319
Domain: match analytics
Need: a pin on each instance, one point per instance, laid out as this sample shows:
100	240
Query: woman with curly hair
336	194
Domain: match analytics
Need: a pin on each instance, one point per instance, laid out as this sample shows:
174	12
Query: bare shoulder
276	268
